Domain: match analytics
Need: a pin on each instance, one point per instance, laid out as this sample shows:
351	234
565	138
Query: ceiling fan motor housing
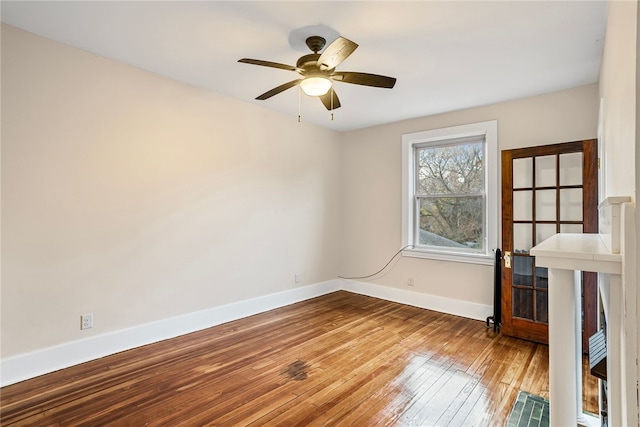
308	62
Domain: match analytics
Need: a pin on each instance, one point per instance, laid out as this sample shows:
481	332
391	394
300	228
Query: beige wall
373	178
138	198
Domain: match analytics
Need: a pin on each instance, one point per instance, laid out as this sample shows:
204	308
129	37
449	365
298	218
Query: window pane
571	228
522	271
542	307
452	222
450	169
571	169
523	205
522	303
571	204
522	237
544	231
523	173
542	277
546	171
546	205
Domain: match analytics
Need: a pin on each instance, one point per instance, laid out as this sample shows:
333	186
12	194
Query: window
450	189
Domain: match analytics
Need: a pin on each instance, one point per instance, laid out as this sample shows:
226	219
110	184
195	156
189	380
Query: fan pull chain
331	102
299	95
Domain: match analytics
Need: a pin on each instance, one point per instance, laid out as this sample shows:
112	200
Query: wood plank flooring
340	359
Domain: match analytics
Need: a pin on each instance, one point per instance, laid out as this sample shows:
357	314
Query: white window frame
441	137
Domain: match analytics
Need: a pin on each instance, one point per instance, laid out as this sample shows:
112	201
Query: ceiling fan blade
335	53
364	79
268	64
277	90
326	100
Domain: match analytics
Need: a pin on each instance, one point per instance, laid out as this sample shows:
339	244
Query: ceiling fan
318	71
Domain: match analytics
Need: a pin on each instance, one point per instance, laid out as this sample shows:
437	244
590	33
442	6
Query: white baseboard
29	365
456	307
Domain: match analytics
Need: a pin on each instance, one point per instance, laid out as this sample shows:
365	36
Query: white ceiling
446	55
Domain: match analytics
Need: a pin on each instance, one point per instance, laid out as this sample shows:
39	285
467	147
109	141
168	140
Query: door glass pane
522	205
522	303
522	237
571	228
544	231
571	204
542	307
523	173
542	277
546	171
522	271
571	169
545	205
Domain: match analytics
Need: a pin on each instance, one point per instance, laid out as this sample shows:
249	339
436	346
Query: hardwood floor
340	359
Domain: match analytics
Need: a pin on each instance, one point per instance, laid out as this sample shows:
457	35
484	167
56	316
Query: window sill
449	256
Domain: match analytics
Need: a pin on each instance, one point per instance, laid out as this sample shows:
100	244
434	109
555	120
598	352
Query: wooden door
545	190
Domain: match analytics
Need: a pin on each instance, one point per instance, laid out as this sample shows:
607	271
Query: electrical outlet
296	277
410	281
86	321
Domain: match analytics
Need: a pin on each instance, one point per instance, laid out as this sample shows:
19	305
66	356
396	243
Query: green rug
529	411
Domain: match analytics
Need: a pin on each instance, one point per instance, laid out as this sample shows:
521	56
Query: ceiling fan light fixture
315	85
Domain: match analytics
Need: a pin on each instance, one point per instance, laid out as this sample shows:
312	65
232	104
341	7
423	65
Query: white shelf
609	224
585	252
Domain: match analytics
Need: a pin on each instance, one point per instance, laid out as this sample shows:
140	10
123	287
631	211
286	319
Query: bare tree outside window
450	186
